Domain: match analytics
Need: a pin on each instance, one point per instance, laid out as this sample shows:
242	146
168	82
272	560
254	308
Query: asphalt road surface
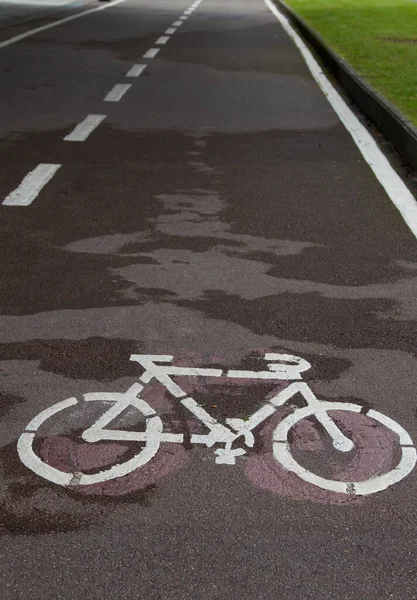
174	182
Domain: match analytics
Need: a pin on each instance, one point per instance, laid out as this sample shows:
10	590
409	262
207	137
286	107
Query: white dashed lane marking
151	53
31	185
136	70
117	92
34	181
85	128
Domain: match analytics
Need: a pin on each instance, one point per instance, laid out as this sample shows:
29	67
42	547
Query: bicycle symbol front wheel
378	482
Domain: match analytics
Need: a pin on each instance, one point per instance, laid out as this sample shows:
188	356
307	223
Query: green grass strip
377	37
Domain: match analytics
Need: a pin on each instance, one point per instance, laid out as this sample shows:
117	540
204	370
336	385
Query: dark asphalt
220	211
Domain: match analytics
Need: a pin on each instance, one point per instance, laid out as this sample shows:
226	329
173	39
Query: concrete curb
387	118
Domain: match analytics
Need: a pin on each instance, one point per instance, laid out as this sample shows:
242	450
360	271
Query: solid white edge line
151	53
22	36
117	92
31	185
81	131
136	70
393	185
162	40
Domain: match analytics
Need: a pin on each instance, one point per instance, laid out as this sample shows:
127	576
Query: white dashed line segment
31	185
136	70
83	129
34	181
151	53
117	92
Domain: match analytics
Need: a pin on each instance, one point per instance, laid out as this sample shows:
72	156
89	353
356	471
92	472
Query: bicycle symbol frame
281	367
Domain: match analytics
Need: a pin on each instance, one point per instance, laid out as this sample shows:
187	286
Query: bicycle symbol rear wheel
151	438
378	482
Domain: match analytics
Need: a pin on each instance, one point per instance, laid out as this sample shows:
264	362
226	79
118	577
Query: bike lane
238	218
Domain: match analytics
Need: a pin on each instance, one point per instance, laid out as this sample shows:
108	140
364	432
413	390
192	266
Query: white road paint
49	412
85	128
393	185
136	70
151	53
33	462
31	185
198	411
159	368
405	439
183	18
177	23
162	40
26	440
377	483
117	92
285	366
170	31
31	32
100	430
163	373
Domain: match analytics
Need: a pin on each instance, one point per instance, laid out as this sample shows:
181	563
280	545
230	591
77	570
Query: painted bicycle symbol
231	440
